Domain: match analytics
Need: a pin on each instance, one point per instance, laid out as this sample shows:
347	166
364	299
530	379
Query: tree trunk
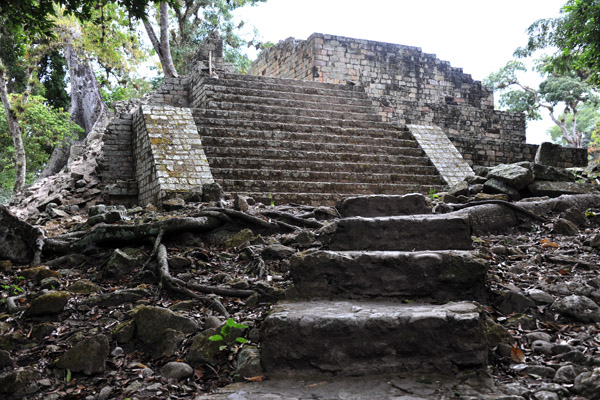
15	132
87	108
162	46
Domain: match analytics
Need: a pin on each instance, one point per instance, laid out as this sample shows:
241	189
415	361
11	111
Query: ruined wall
294	59
406	85
173	92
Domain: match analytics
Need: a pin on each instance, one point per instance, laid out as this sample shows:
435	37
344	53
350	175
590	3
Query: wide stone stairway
304	142
392	296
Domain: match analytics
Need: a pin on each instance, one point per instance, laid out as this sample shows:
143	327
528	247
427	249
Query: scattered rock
539	296
513	175
49	303
541	346
248	363
176	370
20	382
152	322
173	204
588	384
580	308
125	332
513	302
240	238
84	286
119	265
203	350
88	356
20	242
548	154
565	374
240	203
460	189
5	359
565	227
277	252
556	189
211	192
496	186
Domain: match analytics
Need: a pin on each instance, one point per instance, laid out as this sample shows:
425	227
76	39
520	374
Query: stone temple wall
408	86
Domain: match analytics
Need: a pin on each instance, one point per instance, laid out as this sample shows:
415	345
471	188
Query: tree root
177	285
250	219
104	233
508	204
294	220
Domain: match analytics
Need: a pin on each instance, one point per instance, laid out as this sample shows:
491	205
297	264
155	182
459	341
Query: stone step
298	131
295	110
402	147
287	98
420	164
253	119
381	140
341	188
437	276
369	337
318	199
289	85
412	175
401	233
304	156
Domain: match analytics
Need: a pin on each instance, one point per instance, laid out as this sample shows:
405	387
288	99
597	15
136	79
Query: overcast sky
478	36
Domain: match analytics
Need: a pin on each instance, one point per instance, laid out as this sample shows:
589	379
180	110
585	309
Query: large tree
561	96
183	25
574	37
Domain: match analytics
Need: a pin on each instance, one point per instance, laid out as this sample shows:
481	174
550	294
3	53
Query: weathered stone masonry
308	127
411	87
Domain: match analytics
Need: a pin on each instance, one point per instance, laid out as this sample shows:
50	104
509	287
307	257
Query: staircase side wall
117	166
168	153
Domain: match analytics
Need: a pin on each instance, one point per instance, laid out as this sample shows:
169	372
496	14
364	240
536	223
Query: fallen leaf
517	355
548	243
258	378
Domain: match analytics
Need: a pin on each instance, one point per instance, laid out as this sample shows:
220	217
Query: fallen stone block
20	242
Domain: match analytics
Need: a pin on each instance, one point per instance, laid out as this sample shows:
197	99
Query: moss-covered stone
203	350
125	332
20	382
49	303
39	273
151	322
84	286
240	238
88	356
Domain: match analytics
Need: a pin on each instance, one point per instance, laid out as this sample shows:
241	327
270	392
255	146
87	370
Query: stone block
365	338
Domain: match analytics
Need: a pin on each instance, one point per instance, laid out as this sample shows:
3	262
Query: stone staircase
392	296
304	142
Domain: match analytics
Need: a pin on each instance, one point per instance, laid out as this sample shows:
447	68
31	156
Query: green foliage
587	118
433	194
42	128
197	18
12	289
225	333
573	36
39	16
53	76
567	92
